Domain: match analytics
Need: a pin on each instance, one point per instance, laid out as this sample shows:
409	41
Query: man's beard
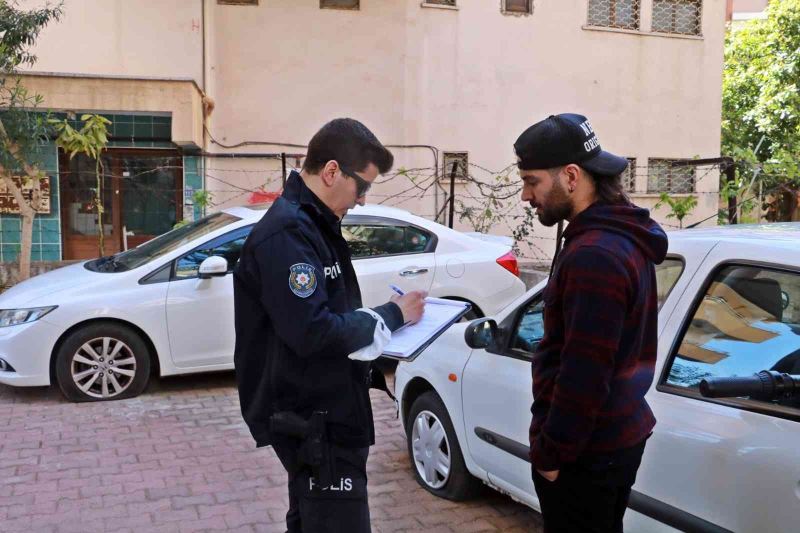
557	207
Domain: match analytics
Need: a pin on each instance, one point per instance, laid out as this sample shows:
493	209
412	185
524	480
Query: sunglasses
362	185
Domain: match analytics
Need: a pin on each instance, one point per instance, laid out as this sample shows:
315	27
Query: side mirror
481	333
214	266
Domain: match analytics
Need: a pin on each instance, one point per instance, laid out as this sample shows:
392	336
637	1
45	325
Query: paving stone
179	459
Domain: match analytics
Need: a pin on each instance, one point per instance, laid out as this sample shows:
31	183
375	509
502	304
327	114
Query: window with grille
339	4
238	2
629	176
518	6
441	2
677	16
615	13
667	175
462	170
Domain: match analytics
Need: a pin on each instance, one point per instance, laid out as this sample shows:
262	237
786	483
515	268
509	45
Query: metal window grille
518	6
629	176
441	2
238	2
462	171
664	176
678	16
615	13
339	4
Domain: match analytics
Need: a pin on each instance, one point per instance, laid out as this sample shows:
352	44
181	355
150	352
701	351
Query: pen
396	289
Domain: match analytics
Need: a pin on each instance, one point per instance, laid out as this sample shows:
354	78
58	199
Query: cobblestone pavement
179	458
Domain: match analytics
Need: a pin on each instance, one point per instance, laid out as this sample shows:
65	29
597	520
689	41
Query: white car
100	328
729	306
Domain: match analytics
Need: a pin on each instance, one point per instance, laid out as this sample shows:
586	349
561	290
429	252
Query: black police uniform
295	296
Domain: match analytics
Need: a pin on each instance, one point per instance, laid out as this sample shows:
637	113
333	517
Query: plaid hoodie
597	358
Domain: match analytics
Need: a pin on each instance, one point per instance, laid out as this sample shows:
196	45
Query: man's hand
549	475
412	304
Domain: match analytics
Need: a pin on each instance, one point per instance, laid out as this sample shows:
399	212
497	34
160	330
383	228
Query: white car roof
778	231
254	212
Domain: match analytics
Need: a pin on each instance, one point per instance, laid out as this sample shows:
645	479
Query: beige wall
154	38
181	99
469	79
749	6
466	80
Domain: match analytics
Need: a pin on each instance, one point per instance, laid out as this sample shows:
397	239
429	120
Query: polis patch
302	279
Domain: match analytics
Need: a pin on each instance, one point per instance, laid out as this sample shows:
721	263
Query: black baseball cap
563	139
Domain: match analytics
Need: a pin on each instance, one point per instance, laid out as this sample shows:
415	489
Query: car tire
430	436
102	361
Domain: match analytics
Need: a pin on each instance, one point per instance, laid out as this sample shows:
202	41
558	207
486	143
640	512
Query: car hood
47	284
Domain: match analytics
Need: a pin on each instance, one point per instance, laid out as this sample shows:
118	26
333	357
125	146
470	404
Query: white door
734	462
200	311
497	400
387	251
497	390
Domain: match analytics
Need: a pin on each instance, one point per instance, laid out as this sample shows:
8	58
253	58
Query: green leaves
679	207
90	140
761	89
19	30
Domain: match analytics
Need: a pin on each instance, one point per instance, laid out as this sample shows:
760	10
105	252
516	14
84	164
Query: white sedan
100	328
729	306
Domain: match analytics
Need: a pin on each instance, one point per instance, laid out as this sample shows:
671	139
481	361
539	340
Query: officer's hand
412	304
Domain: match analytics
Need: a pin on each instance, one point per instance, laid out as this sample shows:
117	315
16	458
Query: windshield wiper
109	263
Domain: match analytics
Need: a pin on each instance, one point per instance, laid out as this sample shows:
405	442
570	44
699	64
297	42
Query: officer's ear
329	172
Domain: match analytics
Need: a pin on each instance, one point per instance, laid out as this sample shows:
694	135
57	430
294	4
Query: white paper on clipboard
439	315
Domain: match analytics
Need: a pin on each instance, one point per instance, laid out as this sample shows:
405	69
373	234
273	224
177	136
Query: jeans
590	495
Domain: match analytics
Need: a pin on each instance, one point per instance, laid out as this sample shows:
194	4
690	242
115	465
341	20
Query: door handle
413	271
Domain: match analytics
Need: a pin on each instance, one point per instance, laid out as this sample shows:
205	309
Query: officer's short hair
350	143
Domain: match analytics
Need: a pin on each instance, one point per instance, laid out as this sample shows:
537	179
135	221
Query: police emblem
302	279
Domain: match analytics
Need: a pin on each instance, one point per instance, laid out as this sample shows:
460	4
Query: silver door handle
413	271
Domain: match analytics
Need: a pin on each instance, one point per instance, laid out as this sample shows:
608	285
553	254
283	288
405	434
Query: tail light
509	262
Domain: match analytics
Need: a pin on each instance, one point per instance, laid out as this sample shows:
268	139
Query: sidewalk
179	459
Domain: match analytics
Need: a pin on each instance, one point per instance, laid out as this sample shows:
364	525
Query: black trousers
341	507
590	495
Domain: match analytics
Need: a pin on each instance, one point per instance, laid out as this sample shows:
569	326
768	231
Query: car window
416	240
667	275
530	329
228	246
747	321
370	240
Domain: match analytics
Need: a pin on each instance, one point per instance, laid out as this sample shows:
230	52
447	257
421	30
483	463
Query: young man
597	358
302	339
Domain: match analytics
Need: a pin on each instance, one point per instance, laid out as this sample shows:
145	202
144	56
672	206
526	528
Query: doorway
142	194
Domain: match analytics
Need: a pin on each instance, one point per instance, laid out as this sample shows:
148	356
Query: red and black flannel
597	358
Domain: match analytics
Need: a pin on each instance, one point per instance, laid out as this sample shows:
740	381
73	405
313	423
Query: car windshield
161	245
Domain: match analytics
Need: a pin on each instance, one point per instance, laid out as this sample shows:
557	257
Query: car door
734	463
388	251
497	398
497	393
200	311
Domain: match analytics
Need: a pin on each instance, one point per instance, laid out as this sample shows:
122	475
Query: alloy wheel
103	367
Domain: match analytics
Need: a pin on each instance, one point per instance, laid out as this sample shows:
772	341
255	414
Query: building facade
208	94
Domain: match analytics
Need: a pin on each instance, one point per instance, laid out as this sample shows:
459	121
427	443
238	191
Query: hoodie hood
627	220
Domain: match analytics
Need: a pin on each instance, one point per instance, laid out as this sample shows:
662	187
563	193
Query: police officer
303	339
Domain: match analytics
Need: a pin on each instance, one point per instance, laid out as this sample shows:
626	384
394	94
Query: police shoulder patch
302	279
